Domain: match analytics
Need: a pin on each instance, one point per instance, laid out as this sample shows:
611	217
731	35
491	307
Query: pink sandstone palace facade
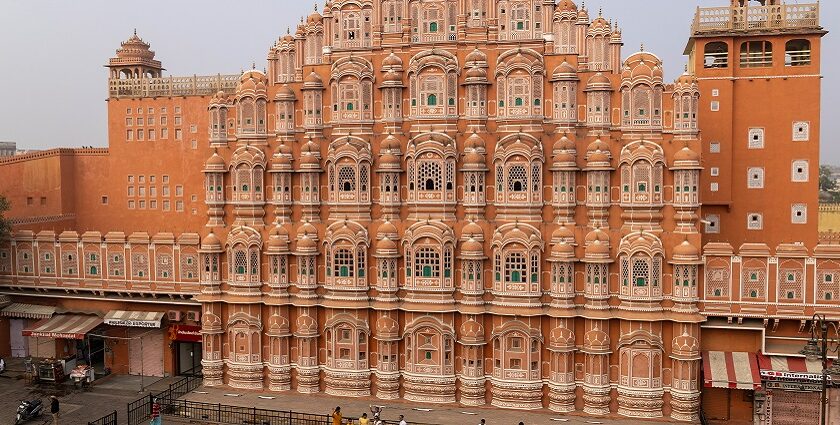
449	201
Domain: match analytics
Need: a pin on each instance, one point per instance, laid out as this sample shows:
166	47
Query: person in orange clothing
364	420
336	416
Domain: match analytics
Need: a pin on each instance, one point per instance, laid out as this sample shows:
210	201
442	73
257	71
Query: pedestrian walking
482	422
336	416
156	419
402	420
364	420
376	411
54	408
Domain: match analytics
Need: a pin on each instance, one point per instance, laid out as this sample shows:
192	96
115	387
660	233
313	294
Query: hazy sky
52	53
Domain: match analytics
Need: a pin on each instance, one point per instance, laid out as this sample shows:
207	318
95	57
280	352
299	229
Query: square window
714	187
177	120
799	214
151	110
712	223
142	204
129	135
801	131
799	171
131	204
177	109
166	205
163	120
164	133
128	111
165	179
715	171
153	204
714	147
755	178
128	122
43	201
755	138
104	200
179	206
131	179
193	128
179	190
178	134
754	221
139	110
30	200
163	110
715	106
715	92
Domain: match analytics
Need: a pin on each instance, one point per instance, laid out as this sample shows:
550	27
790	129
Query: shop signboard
188	333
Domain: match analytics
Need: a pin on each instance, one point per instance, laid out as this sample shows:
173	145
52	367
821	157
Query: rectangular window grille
755	178
799	171
712	224
715	106
799	214
801	131
714	147
754	221
755	138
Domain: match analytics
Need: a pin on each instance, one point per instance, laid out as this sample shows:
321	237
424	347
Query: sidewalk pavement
321	403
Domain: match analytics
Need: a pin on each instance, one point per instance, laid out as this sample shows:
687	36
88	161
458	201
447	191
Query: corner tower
134	60
747	56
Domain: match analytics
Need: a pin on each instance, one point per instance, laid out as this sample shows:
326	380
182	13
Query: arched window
598	47
798	52
429	255
716	55
517	260
433	83
430	162
518	161
348	171
516	353
429	348
756	54
392	15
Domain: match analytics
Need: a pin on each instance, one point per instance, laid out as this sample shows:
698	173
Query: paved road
434	414
78	406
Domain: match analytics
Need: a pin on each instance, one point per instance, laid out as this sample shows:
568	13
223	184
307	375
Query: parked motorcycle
28	409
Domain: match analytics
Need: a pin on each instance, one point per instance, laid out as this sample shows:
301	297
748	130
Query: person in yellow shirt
336	416
364	420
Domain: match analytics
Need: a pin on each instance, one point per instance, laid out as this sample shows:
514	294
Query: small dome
597	235
306	325
600	23
392	61
598	146
306	243
596	338
314	18
477	73
474	158
566	6
476	56
313	81
309	159
472	246
285	93
597	249
386	244
387	230
564	144
392	77
472	331
474	142
390	143
389	159
686	250
387	328
686	154
685	344
215	162
561	337
564	72
687	79
472	229
563	250
563	233
220	98
210	241
311	146
598	81
280	161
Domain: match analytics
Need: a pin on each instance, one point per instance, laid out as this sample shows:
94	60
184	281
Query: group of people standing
376	412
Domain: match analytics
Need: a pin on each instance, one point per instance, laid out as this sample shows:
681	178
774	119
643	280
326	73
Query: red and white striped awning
64	326
776	368
731	369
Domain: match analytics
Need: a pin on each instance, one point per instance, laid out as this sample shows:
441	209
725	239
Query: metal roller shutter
148	359
795	408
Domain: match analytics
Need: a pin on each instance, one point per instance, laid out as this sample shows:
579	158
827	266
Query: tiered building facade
452	201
